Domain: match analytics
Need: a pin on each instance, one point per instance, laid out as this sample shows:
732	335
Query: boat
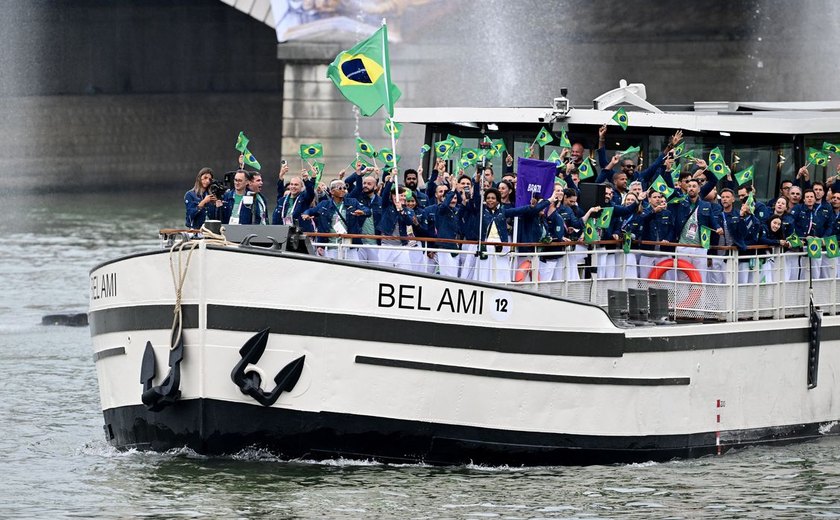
252	340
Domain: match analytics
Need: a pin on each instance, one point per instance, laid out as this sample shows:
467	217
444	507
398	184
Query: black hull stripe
524	376
388	330
219	427
108	352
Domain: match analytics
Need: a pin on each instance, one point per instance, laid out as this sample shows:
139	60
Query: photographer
204	201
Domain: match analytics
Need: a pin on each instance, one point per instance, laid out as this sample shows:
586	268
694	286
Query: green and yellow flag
679	150
464	163
814	247
499	145
250	160
319	171
456	141
605	218
389	157
718	168
564	140
794	240
751	202
828	147
621	118
706	237
391	125
627	243
424	149
526	153
832	248
444	148
631	150
817	157
715	155
585	169
361	160
363	76
544	137
590	232
555	158
744	176
242	142
311	151
365	148
469	154
662	187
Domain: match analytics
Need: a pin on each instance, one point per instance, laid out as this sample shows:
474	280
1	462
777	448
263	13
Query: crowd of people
448	222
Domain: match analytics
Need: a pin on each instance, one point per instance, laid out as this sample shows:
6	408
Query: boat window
771	163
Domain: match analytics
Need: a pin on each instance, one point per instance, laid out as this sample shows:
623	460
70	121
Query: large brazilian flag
362	75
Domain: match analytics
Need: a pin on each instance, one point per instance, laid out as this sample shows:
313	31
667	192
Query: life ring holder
524	271
688	269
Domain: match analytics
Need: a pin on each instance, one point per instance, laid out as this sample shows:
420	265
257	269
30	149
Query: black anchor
156	398
249	383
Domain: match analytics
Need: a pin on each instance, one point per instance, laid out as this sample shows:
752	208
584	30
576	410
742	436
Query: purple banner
533	176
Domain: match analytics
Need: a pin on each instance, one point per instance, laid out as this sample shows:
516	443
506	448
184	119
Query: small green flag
469	154
814	247
706	237
319	171
676	167
689	155
388	156
560	181
464	163
715	155
663	188
718	168
585	170
362	74
555	158
605	218
423	149
751	202
361	160
817	157
744	176
311	151
391	125
443	149
365	148
590	232
250	160
794	240
679	149
628	242
408	195
564	140
679	198
832	248
455	140
631	150
242	142
621	118
499	145
828	147
544	137
527	152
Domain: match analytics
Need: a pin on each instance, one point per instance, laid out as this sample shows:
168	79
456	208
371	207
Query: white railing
717	285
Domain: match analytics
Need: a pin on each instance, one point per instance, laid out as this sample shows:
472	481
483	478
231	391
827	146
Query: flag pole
389	107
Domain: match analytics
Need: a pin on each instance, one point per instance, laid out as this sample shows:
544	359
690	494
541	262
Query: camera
217	188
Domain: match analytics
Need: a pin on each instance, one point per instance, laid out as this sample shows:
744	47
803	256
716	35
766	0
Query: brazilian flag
499	145
718	168
365	148
360	160
391	125
250	160
590	232
631	150
469	154
408	195
544	137
585	169
443	149
828	147
464	163
689	155
389	157
363	76
564	140
627	243
242	142
679	150
814	247
424	149
526	153
706	237
794	240
555	158
832	248
660	186
311	151
605	218
319	170
715	155
621	118
744	176
455	140
817	157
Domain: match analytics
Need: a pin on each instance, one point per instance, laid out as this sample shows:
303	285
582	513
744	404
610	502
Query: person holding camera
204	201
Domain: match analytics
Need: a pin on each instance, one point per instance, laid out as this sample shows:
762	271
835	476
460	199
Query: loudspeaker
591	194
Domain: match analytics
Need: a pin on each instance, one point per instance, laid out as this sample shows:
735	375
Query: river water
56	463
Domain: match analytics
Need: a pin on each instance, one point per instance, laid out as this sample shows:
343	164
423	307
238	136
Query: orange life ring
523	271
688	270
